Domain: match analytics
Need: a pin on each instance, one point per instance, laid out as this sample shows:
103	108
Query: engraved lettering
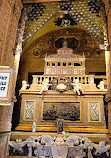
2	88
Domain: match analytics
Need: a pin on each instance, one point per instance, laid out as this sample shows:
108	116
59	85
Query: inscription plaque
4	82
6	85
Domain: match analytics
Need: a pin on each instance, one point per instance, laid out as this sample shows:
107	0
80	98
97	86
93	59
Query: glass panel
69	64
59	64
64	63
48	63
77	63
53	63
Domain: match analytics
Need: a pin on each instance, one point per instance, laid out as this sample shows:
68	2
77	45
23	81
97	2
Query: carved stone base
5	118
59	147
4	139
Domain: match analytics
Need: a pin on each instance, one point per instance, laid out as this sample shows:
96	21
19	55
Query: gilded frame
24	119
10	85
89	112
59	101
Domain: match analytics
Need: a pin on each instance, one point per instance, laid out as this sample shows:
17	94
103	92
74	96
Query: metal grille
86	13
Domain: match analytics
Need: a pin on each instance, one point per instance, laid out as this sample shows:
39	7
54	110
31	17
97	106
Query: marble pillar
108	66
108	62
10	11
4	139
108	96
19	42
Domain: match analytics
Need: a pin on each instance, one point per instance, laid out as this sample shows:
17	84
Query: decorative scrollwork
61	84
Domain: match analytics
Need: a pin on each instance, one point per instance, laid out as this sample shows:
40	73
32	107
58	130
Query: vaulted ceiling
46	17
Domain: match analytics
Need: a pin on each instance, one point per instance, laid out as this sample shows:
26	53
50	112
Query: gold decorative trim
59	101
67	92
98	129
33	111
98	109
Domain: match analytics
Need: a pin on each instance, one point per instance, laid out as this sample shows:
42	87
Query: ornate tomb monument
63	92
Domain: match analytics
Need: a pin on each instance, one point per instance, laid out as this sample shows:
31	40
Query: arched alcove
40	33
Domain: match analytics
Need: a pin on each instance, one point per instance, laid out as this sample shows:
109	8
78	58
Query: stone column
108	62
11	24
4	139
10	11
108	96
19	42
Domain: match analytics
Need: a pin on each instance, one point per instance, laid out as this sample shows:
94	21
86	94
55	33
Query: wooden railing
83	79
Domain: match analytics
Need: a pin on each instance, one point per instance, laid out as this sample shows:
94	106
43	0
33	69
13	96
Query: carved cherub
101	85
77	86
24	85
102	148
45	85
18	145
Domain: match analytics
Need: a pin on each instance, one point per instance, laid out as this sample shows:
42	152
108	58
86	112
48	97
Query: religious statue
60	125
77	86
24	85
45	85
34	127
101	85
91	80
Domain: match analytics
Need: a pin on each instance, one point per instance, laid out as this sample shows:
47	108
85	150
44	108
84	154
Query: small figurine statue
45	85
24	85
101	85
91	80
77	86
34	127
60	125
